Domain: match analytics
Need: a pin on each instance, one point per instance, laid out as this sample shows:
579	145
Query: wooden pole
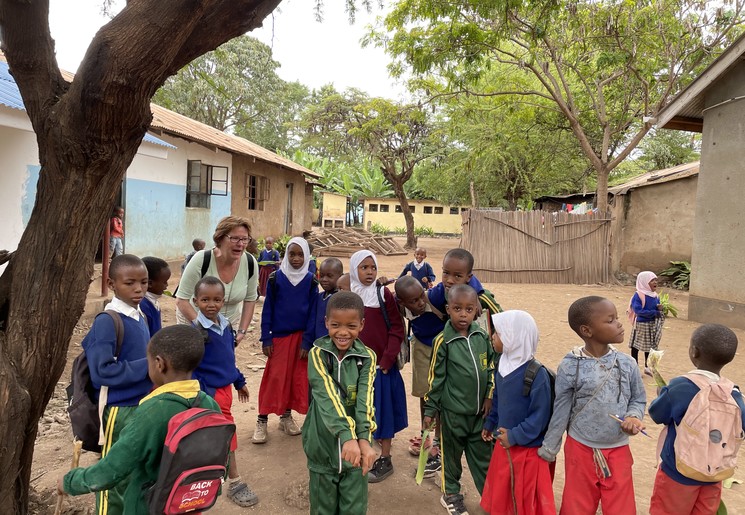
77	446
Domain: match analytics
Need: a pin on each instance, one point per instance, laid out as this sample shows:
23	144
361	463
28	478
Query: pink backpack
710	433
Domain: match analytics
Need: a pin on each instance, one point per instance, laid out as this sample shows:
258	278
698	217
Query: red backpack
194	461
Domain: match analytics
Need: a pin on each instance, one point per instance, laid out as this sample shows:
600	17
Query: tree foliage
603	65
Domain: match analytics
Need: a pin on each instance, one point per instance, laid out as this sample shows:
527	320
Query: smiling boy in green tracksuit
461	382
338	428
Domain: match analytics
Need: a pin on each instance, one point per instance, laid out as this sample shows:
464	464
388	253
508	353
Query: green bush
679	273
279	243
379	229
399	230
424	231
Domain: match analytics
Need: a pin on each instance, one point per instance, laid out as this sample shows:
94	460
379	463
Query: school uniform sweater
525	417
461	375
135	456
333	419
269	255
438	298
323	301
649	312
669	408
217	368
386	343
424	271
425	326
152	315
289	309
588	389
125	376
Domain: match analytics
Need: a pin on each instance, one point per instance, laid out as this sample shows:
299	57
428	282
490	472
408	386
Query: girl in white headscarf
287	332
383	333
645	313
518	481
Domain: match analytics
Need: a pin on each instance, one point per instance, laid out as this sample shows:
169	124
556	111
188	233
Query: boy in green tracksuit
172	355
461	382
338	428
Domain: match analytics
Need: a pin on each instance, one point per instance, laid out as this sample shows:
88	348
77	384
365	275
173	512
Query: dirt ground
277	470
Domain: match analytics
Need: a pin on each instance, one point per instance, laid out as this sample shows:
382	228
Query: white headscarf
642	284
519	335
369	294
295	275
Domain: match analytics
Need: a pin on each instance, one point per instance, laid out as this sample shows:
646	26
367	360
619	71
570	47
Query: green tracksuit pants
338	494
458	434
115	418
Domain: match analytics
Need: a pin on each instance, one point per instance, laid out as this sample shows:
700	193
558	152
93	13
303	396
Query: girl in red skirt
287	329
518	481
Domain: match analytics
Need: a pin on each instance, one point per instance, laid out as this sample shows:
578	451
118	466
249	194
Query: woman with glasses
229	262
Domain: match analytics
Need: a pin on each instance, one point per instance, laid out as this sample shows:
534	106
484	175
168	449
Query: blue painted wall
157	223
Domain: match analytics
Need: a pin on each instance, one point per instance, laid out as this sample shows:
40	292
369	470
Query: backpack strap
530	374
206	262
251	261
381	301
118	329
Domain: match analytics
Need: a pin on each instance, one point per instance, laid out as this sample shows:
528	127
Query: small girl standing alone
645	315
383	333
518	480
287	331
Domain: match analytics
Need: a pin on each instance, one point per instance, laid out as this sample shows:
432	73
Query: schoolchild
288	325
134	460
158	273
645	315
337	433
518	480
593	382
461	384
383	333
120	382
420	269
197	244
329	272
218	373
457	268
712	347
116	233
344	283
269	261
424	323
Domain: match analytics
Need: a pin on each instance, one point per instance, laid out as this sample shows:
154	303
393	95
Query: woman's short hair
227	224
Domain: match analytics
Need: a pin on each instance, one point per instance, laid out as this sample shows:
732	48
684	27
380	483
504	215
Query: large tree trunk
398	189
87	133
601	193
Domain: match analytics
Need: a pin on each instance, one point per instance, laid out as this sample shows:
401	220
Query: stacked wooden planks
345	242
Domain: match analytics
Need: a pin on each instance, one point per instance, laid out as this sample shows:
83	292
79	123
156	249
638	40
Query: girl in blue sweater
645	315
519	481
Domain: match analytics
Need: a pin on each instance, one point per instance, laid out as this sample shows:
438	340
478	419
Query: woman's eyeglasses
237	239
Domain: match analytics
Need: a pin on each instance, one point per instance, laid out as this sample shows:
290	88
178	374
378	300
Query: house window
438	210
463	209
203	181
413	209
384	208
257	191
373	208
453	210
427	210
398	209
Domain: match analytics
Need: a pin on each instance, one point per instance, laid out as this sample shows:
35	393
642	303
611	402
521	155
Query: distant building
441	218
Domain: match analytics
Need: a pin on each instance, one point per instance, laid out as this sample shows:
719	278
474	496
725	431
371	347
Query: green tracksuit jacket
332	419
137	452
461	374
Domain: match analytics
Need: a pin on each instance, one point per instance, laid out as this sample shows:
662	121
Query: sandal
415	445
242	495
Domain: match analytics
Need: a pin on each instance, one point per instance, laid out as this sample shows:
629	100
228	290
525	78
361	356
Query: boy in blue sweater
158	273
457	268
712	347
120	381
329	272
217	372
420	269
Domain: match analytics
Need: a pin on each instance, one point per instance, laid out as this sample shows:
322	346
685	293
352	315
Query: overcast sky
311	52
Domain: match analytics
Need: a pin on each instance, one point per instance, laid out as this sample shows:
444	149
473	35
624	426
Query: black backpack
530	374
81	406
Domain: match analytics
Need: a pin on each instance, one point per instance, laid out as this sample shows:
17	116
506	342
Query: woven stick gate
538	246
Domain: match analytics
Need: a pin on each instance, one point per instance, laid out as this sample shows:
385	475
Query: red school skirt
533	490
264	273
284	384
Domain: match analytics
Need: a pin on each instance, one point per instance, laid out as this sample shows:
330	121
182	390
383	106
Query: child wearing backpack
217	373
593	383
158	273
337	433
119	374
689	479
288	325
135	459
518	480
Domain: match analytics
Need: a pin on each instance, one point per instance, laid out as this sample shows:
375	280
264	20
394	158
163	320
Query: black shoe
433	466
381	469
454	504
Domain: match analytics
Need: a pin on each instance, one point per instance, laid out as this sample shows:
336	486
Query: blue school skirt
390	404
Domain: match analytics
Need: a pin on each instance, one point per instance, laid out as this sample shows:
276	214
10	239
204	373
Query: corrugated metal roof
10	96
657	177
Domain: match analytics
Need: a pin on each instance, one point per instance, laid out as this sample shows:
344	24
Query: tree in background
663	148
604	66
235	88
